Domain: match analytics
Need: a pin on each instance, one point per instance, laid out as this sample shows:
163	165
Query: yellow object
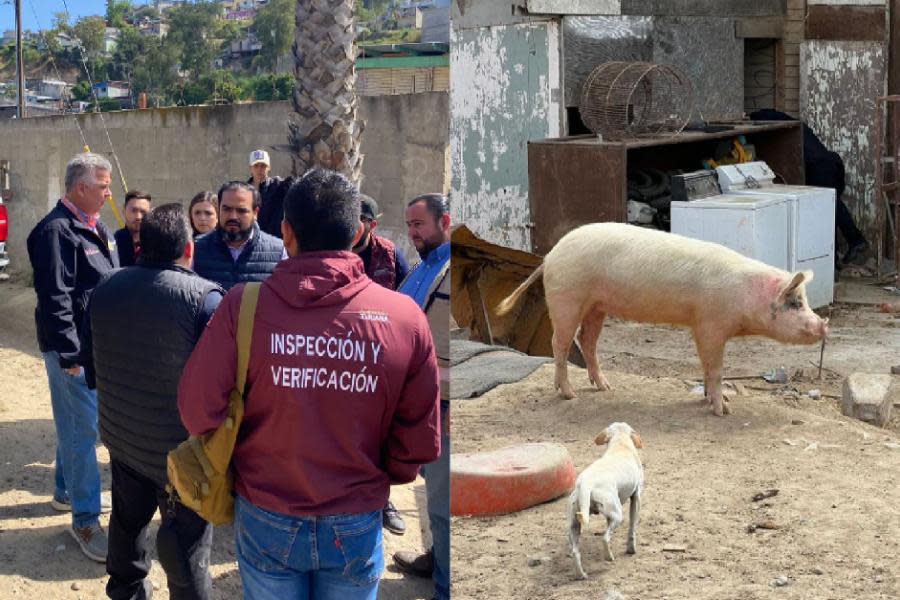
109	199
199	468
737	155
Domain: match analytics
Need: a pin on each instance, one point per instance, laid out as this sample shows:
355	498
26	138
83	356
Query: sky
45	9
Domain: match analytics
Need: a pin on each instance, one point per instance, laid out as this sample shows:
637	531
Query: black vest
212	258
144	327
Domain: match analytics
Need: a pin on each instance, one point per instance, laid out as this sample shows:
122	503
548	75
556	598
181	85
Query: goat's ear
602	439
637	440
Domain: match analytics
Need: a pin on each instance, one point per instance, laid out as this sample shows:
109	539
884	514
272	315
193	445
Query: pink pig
656	277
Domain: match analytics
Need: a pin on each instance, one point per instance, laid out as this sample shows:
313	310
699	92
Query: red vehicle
4	223
4	231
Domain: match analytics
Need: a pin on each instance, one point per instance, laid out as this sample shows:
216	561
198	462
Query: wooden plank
894	49
859	23
480	315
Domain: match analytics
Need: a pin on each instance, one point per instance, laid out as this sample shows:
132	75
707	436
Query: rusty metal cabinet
577	180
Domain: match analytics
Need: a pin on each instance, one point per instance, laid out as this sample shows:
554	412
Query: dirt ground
38	558
836	515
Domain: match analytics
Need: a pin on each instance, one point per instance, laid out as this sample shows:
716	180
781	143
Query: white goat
604	486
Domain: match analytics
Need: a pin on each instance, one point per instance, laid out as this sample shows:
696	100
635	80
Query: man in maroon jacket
341	402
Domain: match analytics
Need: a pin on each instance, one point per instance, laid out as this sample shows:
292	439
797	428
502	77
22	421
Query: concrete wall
505	91
175	152
714	64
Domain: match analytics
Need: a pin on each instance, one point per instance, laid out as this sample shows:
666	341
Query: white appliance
811	245
755	226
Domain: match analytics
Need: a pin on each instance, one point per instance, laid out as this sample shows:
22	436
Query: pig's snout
818	328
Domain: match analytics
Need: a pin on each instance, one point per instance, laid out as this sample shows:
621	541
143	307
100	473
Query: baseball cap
259	156
368	207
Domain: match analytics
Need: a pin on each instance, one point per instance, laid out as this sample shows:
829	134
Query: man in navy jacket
237	250
70	250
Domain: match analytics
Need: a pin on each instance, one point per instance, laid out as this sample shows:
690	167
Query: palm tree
324	130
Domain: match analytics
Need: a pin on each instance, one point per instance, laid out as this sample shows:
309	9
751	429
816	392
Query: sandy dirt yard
835	520
38	558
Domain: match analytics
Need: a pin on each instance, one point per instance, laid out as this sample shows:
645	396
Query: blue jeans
77	476
281	557
437	492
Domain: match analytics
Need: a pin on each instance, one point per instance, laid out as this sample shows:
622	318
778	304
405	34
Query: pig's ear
636	439
798	278
602	439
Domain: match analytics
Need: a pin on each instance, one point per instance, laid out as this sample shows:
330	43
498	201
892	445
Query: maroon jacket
342	388
382	268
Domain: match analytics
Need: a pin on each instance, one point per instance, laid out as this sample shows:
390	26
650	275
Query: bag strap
246	316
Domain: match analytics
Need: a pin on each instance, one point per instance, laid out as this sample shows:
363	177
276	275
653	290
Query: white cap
259	156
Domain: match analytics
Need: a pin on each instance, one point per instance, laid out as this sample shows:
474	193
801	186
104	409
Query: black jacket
823	167
271	211
125	246
68	259
143	325
212	258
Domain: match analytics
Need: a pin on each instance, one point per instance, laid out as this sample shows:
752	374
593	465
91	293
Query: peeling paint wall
505	91
839	82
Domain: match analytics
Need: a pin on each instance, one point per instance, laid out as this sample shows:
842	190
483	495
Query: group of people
346	388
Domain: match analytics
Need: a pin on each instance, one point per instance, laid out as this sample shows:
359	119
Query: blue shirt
420	279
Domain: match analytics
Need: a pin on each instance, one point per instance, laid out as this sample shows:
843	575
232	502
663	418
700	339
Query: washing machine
811	226
755	226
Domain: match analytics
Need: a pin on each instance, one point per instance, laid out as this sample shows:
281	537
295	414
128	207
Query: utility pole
20	63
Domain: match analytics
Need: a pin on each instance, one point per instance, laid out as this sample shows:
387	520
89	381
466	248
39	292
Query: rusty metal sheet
578	180
480	268
846	22
573	184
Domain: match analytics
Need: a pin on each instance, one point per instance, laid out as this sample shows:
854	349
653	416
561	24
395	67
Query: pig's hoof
567	392
601	382
720	409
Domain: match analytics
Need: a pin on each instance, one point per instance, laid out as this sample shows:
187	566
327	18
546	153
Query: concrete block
868	397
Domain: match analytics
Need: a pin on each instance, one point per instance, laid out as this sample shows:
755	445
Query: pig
652	276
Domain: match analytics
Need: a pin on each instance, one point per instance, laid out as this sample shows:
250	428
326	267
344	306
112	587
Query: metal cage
622	100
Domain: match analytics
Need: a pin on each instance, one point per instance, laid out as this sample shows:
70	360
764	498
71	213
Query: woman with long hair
203	213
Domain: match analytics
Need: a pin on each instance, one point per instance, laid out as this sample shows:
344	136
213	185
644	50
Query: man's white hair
83	166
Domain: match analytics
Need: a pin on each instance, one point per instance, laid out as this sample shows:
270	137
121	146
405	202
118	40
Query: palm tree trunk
324	130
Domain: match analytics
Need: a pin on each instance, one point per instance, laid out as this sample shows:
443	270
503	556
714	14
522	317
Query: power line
56	71
112	149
